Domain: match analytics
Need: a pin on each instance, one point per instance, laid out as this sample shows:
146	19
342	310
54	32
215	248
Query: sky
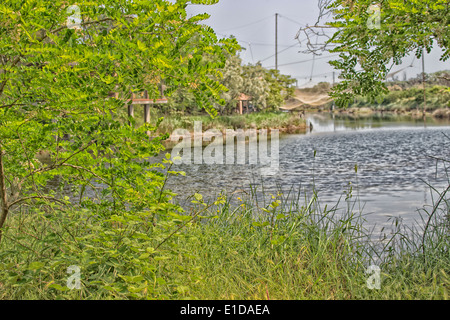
252	22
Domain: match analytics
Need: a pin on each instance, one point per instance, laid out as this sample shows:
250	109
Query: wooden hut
244	104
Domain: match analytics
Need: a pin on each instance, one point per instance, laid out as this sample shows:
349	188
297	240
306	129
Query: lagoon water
396	159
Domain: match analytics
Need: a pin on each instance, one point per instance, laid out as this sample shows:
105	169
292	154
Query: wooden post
240	106
146	111
131	108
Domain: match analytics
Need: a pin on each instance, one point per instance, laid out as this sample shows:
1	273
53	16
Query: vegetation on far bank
409	96
283	121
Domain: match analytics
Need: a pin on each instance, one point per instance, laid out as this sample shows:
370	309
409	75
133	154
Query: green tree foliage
268	88
368	52
183	100
440	78
281	88
255	85
59	126
232	79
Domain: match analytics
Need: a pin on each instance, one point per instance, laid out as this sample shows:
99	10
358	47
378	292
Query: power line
322	75
314	76
271	44
392	74
313	62
278	52
276	41
291	20
251	51
255	43
289	47
247	25
302	61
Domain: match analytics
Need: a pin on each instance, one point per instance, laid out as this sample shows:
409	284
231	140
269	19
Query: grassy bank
285	122
237	247
409	101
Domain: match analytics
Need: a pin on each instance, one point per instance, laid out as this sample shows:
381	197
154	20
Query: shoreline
253	123
208	135
441	113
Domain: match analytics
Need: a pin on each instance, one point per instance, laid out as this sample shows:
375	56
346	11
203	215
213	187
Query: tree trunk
3	196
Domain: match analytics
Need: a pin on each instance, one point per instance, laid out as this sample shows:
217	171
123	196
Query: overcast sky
252	22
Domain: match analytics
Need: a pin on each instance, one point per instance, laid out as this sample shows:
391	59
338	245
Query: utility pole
423	83
276	41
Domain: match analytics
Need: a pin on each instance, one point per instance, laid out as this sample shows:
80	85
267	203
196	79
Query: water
395	159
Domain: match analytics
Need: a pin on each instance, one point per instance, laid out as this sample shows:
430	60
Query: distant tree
371	38
281	88
256	85
233	80
441	78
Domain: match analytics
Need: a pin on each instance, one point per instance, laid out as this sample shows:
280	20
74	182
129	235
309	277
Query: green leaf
277	240
35	265
132	279
141	46
280	216
109	288
144	256
159	258
182	289
261	224
198	197
58	287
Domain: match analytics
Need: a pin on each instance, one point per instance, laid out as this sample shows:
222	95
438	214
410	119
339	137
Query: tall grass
243	246
248	245
285	250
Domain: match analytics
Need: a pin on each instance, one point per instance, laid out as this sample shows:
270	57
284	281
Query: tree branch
3	85
3	196
317	31
12	104
82	24
34	197
56	165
